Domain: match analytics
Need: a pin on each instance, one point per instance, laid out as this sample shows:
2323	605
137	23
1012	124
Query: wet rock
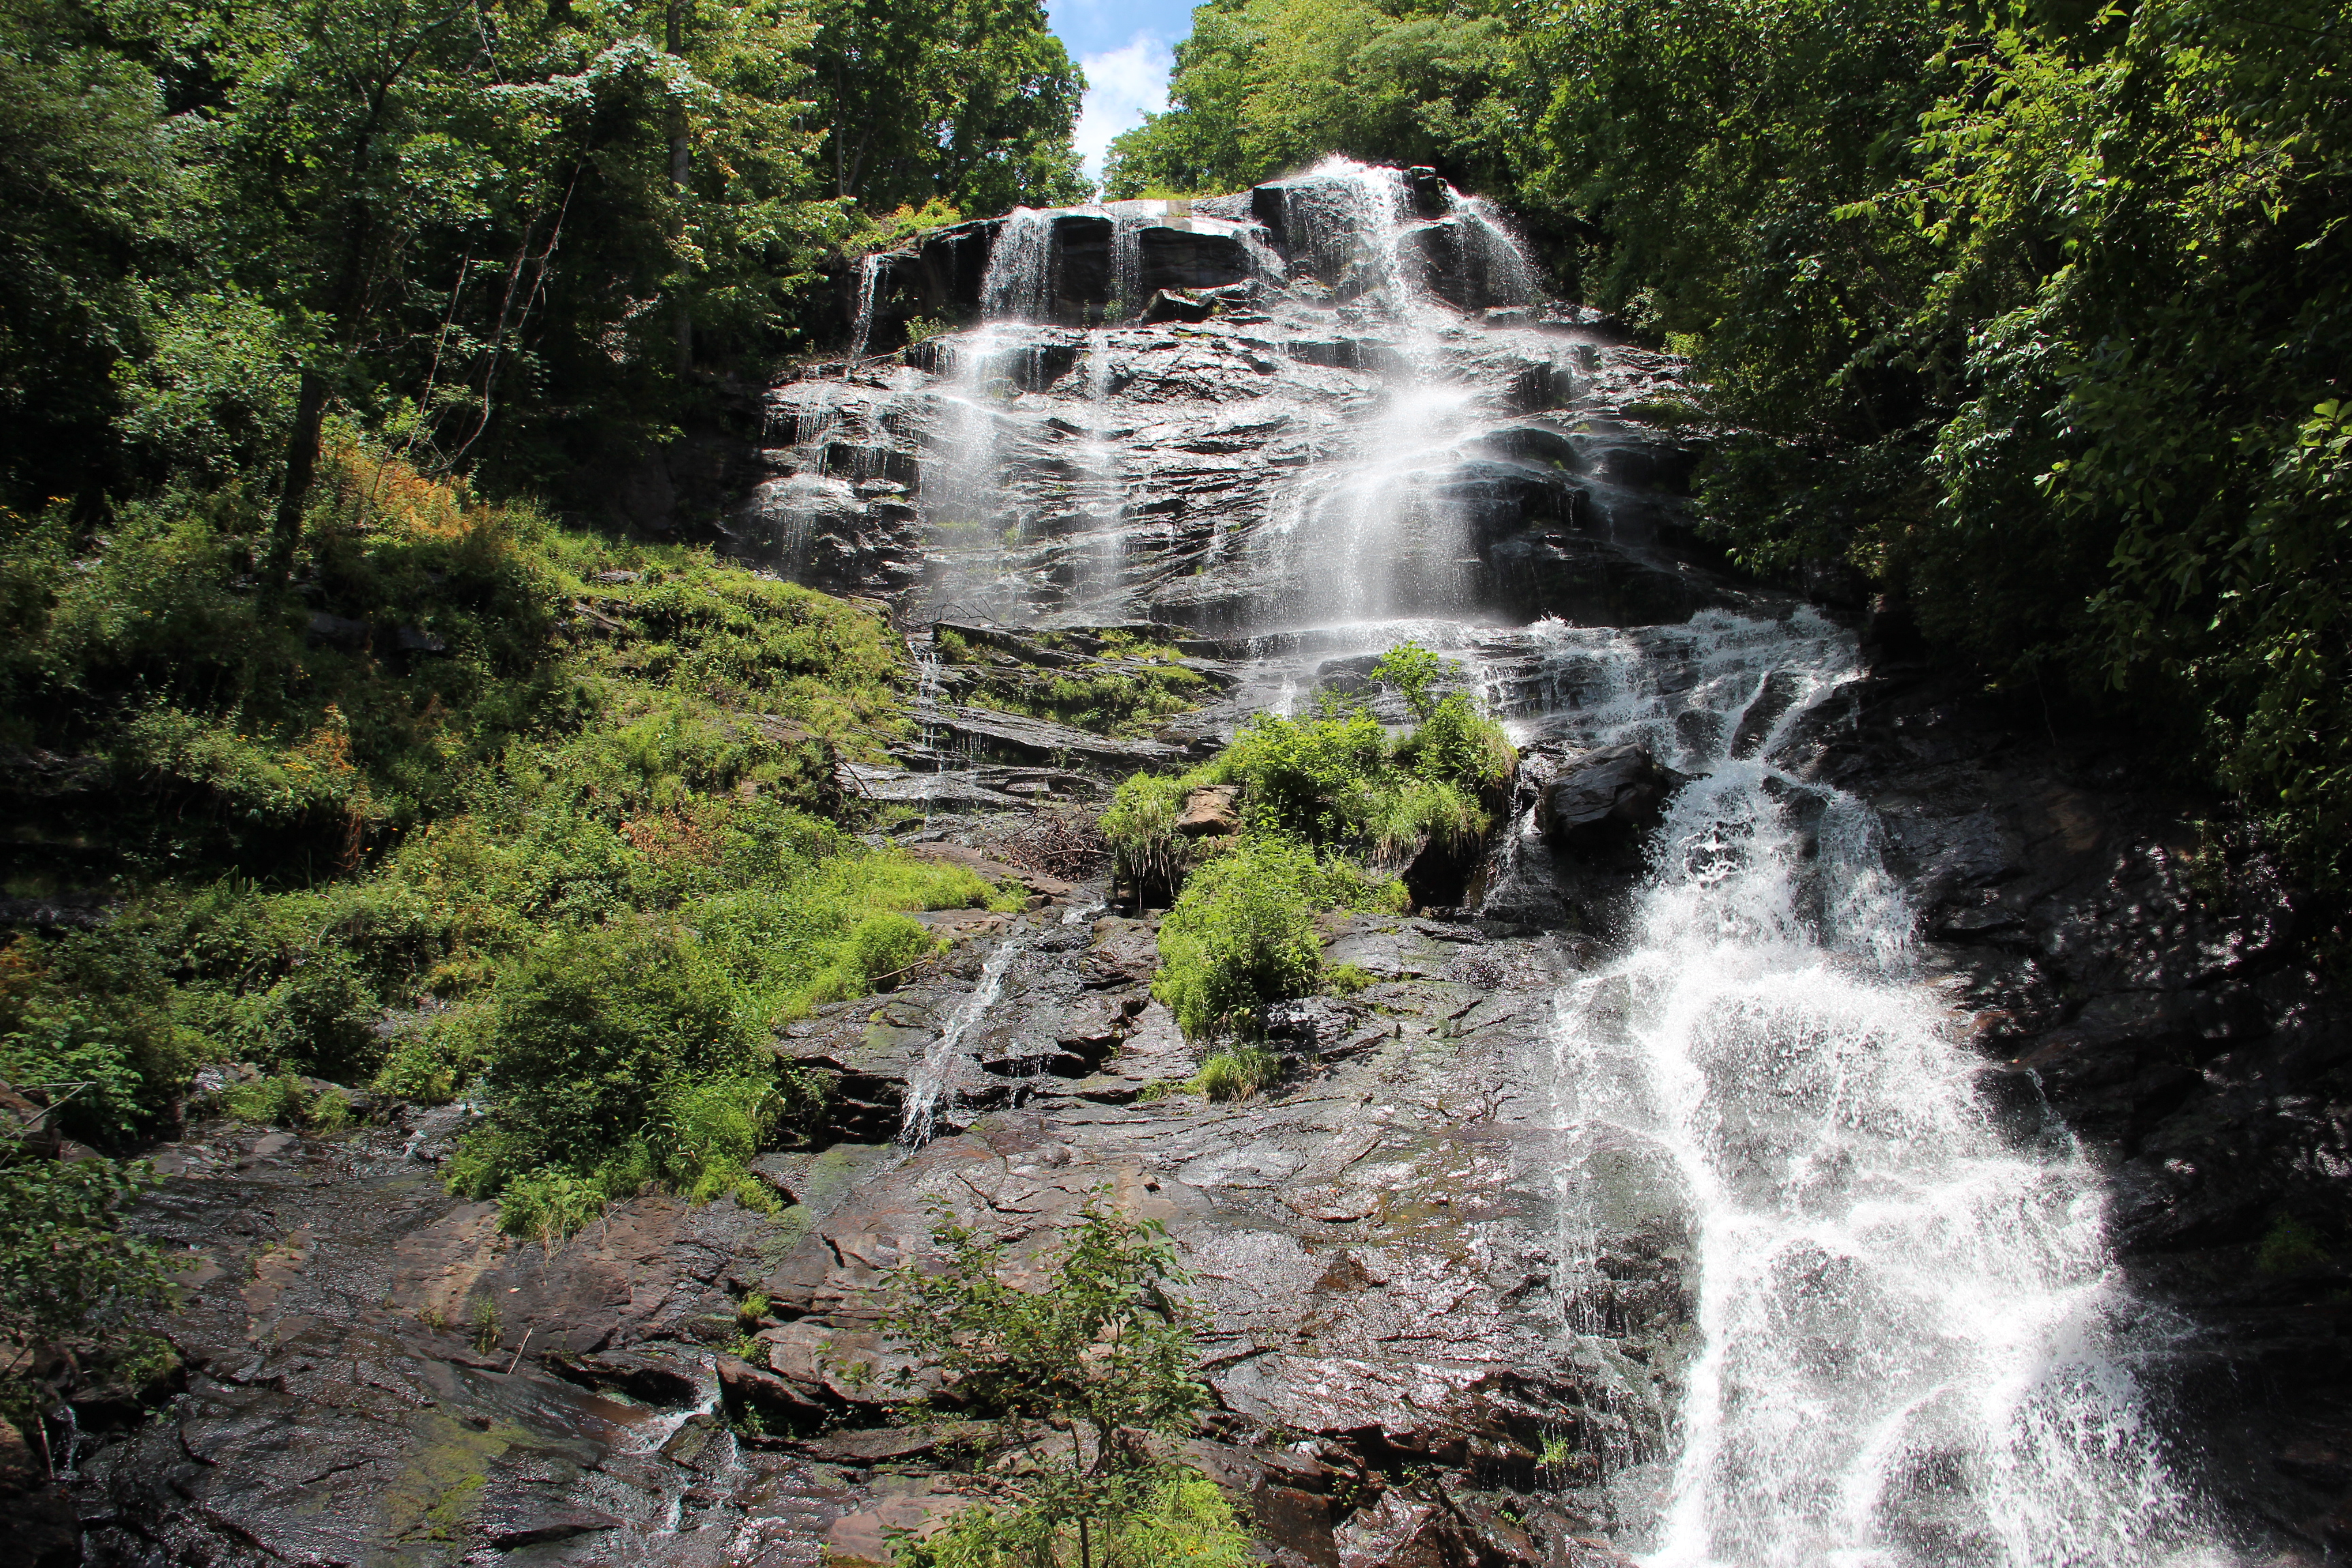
42	1531
1017	737
650	1379
1604	802
1165	306
777	1406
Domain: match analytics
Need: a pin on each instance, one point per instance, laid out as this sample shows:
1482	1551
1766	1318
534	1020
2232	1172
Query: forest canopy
2032	317
506	235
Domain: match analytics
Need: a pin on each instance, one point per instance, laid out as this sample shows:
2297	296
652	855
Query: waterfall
1912	1348
1884	1328
930	1092
1020	279
869	273
1345	216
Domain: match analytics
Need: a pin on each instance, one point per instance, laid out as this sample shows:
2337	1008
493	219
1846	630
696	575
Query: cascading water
1912	1348
1020	279
1905	1344
869	274
932	1090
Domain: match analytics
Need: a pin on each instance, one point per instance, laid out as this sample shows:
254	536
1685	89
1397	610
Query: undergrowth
1330	808
485	806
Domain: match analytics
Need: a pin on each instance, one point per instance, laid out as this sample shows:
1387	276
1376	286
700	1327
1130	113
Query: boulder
1605	800
1176	255
1209	812
1170	306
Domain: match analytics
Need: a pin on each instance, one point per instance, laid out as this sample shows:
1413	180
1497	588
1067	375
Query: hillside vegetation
325	747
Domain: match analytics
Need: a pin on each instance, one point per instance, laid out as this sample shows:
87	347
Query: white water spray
928	1092
1912	1348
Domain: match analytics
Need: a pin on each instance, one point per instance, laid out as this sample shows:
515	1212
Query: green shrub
590	1030
1415	672
1456	746
709	1132
1103	1348
69	1278
82	1068
437	1058
549	1204
1243	934
285	1102
1314	778
878	947
1236	1072
1174	1517
1139	824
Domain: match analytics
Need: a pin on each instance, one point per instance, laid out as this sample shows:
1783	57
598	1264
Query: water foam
1912	1346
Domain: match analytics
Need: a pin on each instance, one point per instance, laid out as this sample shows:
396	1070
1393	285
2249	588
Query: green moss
2291	1247
439	1491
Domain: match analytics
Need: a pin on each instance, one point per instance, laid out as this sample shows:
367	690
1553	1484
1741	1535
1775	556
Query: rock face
1457	1262
1605	801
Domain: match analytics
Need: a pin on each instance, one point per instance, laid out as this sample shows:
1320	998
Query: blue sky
1126	48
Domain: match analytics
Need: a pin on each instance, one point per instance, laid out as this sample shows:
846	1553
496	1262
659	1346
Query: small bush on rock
1073	1377
1236	1072
1243	934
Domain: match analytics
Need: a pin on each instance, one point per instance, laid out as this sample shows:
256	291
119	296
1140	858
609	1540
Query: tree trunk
301	468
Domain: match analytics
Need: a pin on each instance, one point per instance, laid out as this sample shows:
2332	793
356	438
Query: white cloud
1123	85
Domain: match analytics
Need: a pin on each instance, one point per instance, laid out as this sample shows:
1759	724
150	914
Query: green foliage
287	1101
1242	932
68	1279
1315	778
1102	1350
549	1204
1458	748
968	101
1415	672
1330	779
508	240
1265	86
1172	1518
488	1324
1236	1072
1139	824
578	868
2291	1247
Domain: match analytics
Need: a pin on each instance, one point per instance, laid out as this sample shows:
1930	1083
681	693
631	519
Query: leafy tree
91	198
1262	86
69	1280
1075	1377
969	101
